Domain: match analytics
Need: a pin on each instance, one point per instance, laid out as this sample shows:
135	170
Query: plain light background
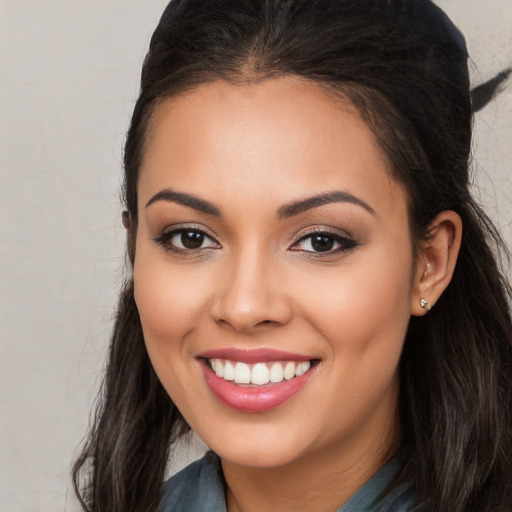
69	72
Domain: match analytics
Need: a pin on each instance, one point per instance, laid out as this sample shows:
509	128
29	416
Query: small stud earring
425	305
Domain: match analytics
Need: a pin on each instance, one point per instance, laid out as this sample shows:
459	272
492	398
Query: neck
320	482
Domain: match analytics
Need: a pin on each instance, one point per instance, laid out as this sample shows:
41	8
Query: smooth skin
223	162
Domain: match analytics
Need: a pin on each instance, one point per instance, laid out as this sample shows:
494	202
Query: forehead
277	138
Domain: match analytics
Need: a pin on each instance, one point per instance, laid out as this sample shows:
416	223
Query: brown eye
322	243
186	239
192	239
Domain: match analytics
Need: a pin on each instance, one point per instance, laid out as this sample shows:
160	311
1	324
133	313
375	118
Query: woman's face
273	246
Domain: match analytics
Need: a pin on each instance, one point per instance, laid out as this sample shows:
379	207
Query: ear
130	233
126	220
435	261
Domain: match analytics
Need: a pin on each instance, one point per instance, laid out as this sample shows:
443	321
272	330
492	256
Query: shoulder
401	499
199	487
379	494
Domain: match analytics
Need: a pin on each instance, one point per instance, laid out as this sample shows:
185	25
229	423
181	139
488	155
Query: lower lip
253	399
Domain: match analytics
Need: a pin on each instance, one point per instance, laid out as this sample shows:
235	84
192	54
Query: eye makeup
186	240
322	242
190	240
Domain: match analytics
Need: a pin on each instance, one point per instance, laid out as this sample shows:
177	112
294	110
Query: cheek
169	306
364	318
363	309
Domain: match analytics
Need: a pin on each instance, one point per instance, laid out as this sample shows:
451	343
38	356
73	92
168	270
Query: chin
248	456
258	446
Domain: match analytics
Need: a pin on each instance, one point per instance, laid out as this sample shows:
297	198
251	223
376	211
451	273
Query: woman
314	290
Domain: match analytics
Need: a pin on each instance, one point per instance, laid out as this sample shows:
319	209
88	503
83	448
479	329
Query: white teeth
242	373
302	368
218	367
258	374
276	373
289	371
229	371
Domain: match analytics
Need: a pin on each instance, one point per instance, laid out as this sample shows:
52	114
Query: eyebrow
336	196
284	212
186	200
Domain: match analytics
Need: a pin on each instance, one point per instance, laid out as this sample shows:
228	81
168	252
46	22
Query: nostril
264	323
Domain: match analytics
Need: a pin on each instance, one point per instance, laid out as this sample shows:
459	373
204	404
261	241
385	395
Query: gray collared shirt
200	488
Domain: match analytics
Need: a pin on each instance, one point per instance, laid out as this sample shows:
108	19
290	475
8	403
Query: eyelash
345	243
165	240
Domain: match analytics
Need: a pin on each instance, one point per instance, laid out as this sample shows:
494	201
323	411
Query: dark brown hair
403	64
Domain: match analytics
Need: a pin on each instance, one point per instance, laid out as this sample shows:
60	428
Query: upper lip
251	356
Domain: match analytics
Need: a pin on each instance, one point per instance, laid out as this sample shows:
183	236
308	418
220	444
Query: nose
250	297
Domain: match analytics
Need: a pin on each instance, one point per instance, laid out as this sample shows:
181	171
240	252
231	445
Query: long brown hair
403	64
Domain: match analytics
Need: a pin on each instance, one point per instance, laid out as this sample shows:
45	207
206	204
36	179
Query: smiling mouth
258	380
260	373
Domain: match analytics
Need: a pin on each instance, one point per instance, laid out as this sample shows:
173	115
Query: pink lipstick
255	380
